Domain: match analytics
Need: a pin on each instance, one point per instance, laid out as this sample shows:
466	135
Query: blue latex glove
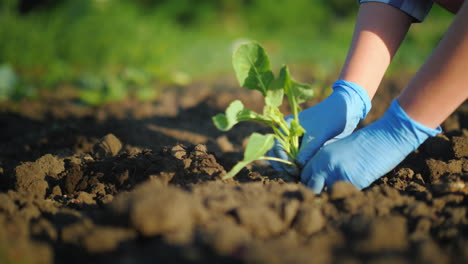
334	118
368	153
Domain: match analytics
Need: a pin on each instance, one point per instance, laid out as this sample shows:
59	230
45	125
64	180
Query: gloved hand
333	118
368	153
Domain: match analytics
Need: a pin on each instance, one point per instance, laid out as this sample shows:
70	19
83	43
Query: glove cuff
420	131
359	91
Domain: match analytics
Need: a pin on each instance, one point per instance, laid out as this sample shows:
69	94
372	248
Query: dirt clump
30	177
108	146
460	147
172	210
341	190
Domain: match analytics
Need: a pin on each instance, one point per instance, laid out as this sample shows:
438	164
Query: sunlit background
109	50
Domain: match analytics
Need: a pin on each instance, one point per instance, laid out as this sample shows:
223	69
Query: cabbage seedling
252	68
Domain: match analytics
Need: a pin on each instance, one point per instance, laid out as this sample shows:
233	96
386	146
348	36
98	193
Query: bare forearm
441	85
379	31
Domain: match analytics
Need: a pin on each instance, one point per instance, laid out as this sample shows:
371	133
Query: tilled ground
141	183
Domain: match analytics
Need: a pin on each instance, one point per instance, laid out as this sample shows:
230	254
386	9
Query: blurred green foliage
12	87
131	82
115	48
8	81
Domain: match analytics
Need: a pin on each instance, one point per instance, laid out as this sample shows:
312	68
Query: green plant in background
252	67
95	90
8	81
12	87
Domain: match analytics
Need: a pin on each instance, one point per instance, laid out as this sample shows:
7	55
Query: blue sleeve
418	9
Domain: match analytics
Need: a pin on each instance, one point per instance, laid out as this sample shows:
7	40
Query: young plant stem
284	128
278	160
281	138
295	139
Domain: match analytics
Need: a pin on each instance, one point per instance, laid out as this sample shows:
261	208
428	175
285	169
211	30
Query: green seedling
252	68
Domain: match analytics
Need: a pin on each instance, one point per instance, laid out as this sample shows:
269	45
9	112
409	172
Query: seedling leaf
276	91
252	67
273	114
301	91
274	97
226	121
249	115
257	146
238	167
284	80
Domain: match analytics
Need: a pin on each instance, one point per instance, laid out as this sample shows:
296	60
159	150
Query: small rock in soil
108	146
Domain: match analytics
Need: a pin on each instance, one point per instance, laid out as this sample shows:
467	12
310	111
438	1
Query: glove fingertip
306	173
316	183
312	178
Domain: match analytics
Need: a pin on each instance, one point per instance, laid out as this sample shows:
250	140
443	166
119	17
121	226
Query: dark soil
141	183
